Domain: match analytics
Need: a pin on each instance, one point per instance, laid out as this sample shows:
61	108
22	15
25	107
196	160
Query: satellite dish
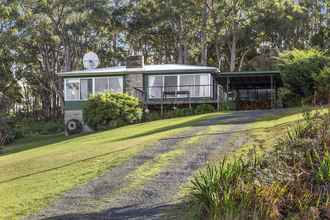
91	61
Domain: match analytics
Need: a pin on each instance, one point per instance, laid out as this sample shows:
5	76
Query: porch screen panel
86	88
72	88
197	85
187	83
101	84
116	84
205	88
155	86
171	84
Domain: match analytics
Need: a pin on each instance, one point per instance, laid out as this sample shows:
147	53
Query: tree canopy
43	37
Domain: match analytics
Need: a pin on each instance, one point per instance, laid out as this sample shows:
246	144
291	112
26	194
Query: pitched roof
161	68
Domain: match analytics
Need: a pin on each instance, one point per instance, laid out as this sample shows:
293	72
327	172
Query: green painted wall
74	105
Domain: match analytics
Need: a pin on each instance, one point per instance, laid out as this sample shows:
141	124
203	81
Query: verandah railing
174	92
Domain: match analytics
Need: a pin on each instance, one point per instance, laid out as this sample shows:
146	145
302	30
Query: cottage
158	86
167	85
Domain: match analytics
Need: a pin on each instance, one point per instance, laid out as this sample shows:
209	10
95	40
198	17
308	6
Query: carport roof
250	73
250	79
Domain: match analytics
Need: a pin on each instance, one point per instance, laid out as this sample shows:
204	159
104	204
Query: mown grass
35	173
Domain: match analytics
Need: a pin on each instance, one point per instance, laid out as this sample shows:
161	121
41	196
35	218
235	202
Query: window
170	85
113	84
86	88
116	84
81	89
72	89
101	84
205	87
155	86
187	83
199	85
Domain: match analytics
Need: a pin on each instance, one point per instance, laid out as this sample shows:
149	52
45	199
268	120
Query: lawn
261	137
35	171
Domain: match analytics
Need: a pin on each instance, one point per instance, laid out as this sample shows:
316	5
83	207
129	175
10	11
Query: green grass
261	136
33	174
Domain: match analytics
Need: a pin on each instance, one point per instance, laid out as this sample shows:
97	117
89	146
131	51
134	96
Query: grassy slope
261	136
34	173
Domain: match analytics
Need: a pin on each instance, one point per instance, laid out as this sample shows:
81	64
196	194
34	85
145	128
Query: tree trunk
233	53
204	34
242	60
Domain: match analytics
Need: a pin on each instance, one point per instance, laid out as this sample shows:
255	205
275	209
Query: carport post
271	91
227	88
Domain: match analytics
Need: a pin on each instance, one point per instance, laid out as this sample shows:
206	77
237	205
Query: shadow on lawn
237	117
168	211
35	142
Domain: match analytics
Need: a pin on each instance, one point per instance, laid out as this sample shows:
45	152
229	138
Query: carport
250	90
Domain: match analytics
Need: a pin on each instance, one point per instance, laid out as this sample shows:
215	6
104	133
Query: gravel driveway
119	194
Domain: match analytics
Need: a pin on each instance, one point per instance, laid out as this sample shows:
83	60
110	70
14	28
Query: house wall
132	81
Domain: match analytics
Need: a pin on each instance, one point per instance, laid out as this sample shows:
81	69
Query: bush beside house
110	110
300	72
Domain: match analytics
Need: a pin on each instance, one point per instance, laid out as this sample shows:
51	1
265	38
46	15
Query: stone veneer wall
134	80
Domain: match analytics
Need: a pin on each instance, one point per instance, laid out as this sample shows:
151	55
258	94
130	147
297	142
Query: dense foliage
292	181
6	133
109	110
40	38
301	72
323	84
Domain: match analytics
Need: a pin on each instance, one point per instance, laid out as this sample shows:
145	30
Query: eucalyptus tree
54	35
9	88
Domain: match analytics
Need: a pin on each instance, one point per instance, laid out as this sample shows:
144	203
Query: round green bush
204	108
109	110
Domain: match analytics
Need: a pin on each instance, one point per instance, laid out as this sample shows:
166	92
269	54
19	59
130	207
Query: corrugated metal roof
161	68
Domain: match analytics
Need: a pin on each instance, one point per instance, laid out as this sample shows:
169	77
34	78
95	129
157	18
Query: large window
116	84
81	89
155	86
101	84
72	89
198	85
86	88
113	84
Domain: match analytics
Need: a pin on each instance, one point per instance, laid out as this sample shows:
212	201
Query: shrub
204	108
300	69
322	172
7	135
287	183
151	116
29	128
179	112
323	84
109	110
219	190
